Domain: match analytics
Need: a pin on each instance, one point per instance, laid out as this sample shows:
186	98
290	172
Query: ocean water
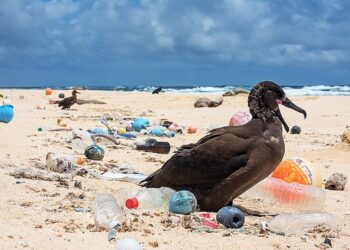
316	90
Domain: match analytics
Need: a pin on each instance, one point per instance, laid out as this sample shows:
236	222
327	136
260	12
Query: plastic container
78	145
138	125
300	171
107	212
169	133
167	194
154	146
125	193
150	198
63	162
157	131
240	118
293	223
182	202
293	195
6	113
128	244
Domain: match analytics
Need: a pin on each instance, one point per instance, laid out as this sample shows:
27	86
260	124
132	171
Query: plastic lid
132	203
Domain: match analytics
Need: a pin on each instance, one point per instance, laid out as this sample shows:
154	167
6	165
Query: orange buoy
48	91
192	130
299	171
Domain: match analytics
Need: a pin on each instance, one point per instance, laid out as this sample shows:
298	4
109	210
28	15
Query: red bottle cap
132	203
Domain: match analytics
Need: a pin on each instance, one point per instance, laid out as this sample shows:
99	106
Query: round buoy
48	91
192	130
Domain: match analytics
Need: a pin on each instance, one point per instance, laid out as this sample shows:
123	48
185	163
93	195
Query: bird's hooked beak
289	104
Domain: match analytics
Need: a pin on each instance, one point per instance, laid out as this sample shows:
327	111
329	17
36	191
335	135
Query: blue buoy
138	125
157	131
6	113
144	120
230	217
182	202
168	133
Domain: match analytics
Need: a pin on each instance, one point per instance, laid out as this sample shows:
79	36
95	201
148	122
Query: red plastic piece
210	224
205	215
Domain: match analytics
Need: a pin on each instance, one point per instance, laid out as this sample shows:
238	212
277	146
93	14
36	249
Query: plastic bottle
128	244
152	145
293	195
63	162
107	212
80	140
150	198
293	223
167	193
125	193
78	145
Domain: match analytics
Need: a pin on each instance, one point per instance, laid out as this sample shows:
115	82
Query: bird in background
230	160
66	103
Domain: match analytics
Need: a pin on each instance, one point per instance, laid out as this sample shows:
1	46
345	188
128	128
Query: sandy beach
39	214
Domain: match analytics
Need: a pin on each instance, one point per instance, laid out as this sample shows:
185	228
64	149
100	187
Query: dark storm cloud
118	34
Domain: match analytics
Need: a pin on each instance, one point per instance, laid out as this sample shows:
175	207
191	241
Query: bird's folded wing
203	164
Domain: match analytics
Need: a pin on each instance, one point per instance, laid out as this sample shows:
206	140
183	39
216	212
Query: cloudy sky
174	42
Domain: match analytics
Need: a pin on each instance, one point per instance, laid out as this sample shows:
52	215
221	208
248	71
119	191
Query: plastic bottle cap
132	203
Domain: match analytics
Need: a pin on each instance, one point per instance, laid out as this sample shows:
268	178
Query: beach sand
39	214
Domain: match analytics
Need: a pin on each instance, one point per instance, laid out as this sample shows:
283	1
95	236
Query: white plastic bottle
150	198
293	223
107	212
293	195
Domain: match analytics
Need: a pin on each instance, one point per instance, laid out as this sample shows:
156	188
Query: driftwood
29	173
80	102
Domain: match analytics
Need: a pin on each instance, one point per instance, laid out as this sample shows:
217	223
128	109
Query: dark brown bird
66	103
157	90
230	160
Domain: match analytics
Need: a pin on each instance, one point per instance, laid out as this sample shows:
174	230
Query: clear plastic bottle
293	195
78	145
167	193
107	212
80	140
150	198
125	193
293	223
128	244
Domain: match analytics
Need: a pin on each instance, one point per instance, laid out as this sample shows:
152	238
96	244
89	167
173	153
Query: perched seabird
230	160
66	103
157	90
